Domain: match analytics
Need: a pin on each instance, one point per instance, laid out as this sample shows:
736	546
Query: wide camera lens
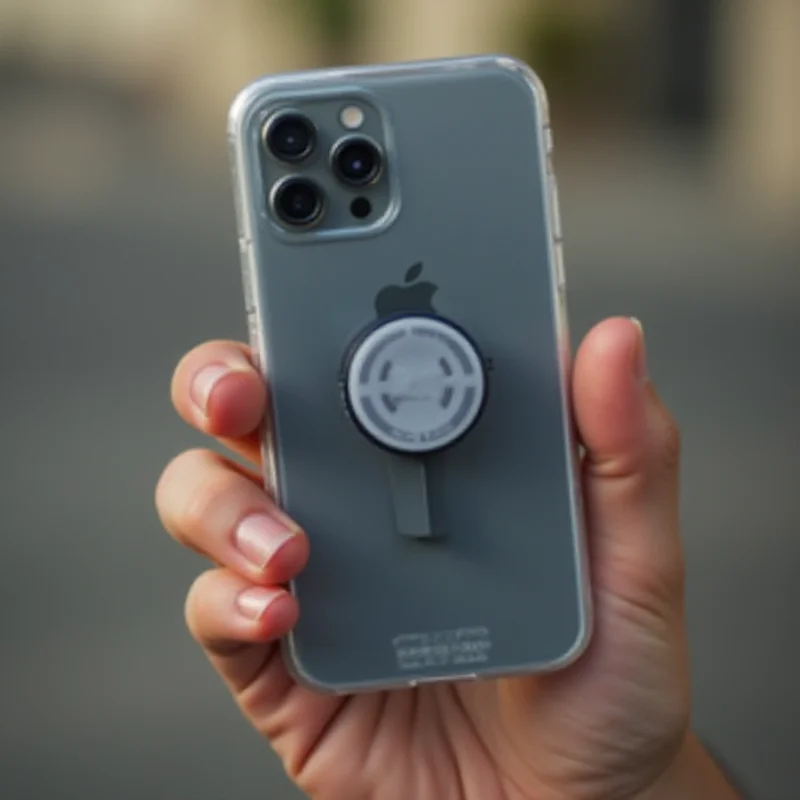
291	137
357	161
298	202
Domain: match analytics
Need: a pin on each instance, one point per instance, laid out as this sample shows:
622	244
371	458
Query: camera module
297	202
357	161
290	137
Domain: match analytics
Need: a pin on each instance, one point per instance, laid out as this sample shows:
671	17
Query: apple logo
414	296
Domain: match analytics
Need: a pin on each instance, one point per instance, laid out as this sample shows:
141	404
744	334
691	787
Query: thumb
630	470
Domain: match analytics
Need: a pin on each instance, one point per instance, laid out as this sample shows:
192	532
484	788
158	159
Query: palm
567	734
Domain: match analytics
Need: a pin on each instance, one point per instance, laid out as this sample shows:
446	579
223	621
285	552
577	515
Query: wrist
694	775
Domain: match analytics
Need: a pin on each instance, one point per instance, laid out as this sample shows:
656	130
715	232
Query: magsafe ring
415	384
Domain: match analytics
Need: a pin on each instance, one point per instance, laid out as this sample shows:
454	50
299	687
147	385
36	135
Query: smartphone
401	253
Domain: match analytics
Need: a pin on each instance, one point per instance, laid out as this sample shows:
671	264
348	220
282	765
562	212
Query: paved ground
114	261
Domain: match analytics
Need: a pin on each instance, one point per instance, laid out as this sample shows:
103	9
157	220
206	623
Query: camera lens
298	202
291	137
357	161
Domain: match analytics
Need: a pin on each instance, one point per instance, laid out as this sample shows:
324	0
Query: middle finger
210	505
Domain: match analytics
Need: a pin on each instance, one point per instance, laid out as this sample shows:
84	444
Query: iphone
402	261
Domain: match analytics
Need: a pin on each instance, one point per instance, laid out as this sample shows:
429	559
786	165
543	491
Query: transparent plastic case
464	557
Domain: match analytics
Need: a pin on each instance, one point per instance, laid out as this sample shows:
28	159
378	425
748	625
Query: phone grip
414	385
409	483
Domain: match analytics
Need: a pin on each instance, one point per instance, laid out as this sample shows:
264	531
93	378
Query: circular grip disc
415	384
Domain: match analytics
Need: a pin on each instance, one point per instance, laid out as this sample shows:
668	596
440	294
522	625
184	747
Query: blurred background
677	143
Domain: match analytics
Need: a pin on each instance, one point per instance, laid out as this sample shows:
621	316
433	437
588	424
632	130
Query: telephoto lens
357	161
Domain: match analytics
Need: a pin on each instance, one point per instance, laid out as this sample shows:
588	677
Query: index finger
218	391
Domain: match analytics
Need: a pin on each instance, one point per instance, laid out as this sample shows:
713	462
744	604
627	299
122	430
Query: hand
615	726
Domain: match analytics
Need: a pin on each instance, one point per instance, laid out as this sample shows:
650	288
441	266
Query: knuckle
180	465
194	493
165	488
172	485
208	502
193	604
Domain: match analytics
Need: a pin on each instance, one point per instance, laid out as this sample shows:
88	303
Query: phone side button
247	280
555	202
548	140
254	339
561	278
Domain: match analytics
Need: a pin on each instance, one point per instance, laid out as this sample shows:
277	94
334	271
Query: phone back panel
504	590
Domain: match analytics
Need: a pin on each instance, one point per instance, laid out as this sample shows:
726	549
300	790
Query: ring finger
211	506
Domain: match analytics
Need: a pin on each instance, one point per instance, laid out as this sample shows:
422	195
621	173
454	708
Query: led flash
352	118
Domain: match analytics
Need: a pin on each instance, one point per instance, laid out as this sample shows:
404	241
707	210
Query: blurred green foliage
336	20
335	23
562	46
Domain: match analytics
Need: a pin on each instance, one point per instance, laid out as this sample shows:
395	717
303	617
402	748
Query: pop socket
415	384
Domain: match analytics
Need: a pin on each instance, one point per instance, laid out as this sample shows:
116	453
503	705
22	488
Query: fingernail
204	383
640	358
253	603
260	536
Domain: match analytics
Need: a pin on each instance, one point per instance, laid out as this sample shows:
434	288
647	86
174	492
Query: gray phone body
470	195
